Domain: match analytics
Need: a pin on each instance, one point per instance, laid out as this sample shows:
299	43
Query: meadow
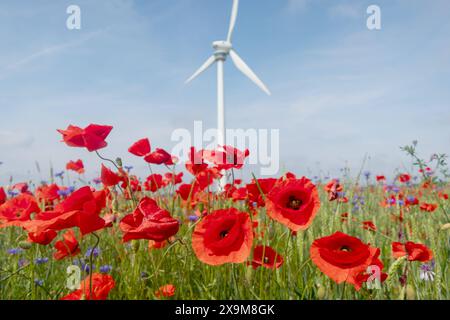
174	236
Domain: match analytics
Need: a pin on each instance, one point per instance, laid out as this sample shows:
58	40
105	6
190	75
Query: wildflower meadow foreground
177	235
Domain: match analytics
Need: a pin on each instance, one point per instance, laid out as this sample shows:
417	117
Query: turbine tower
223	49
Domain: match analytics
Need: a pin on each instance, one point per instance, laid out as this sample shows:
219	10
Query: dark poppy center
294	203
266	260
223	234
345	249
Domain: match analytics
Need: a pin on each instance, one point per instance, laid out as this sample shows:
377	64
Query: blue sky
339	90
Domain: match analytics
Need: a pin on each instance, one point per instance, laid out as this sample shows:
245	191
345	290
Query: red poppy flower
109	178
224	236
185	190
47	193
414	251
229	158
3	196
44	238
148	221
254	194
428	207
140	148
441	194
404	178
265	256
135	183
333	188
196	162
167	290
81	209
170	178
369	225
76	166
68	247
19	208
92	137
239	194
102	284
343	258
205	178
156	244
411	201
365	275
294	203
22	187
159	156
380	178
154	182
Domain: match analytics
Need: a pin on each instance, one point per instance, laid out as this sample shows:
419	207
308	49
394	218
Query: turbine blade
234	14
205	66
245	69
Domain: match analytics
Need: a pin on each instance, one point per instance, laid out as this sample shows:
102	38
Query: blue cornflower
106	268
96	252
87	268
13	193
22	262
128	168
426	271
39	282
401	202
66	192
14	251
97	180
41	260
59	174
193	218
367	174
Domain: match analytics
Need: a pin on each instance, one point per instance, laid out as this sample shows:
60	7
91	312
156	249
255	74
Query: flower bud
25	245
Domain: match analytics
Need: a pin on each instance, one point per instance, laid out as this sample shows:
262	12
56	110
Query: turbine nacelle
222	47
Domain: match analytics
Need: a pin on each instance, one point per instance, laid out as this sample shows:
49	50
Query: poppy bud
25	245
321	293
410	292
119	162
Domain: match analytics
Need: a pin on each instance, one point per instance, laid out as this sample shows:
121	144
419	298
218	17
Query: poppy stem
91	258
259	187
109	160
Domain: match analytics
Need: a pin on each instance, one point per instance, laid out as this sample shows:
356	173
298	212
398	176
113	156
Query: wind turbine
223	49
